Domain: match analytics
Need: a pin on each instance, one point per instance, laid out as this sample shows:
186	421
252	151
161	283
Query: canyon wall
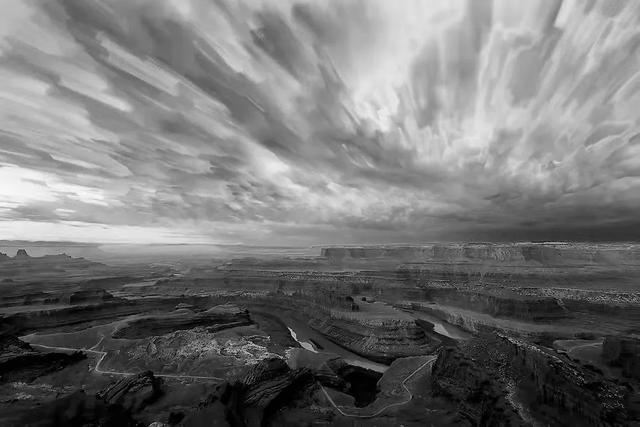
380	340
542	253
495	377
624	352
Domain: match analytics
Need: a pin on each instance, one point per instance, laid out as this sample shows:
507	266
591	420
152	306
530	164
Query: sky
319	121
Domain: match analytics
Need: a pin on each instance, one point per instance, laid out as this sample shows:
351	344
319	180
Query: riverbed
441	327
316	342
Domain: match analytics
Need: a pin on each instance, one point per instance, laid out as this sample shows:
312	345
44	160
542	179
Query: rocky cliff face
22	254
480	397
380	340
542	253
623	351
513	306
255	399
213	320
78	409
81	316
527	383
566	387
70	316
133	393
20	362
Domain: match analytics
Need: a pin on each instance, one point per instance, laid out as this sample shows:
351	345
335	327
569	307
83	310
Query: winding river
312	341
441	327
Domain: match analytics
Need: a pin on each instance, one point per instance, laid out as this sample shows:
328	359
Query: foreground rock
78	409
254	400
500	380
623	351
133	393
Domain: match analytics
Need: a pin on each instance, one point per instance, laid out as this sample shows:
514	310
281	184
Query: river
310	340
442	327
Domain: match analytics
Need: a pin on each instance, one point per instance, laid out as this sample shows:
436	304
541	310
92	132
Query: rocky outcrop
478	396
20	362
22	254
71	297
528	383
623	351
382	341
49	318
253	401
530	308
133	393
215	319
78	409
84	315
566	387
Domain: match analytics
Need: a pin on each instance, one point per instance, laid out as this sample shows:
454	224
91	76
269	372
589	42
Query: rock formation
78	409
213	320
378	339
590	398
22	254
133	393
478	396
623	351
382	341
267	387
528	382
20	362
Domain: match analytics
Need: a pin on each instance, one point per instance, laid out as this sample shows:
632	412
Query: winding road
104	354
391	405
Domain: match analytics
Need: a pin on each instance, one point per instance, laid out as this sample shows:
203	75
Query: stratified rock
380	340
479	398
78	409
623	351
134	392
496	379
568	388
272	379
20	362
21	254
90	296
267	387
215	319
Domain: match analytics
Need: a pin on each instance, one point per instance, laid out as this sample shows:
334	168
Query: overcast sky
304	122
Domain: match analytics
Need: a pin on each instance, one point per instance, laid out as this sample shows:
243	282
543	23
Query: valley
455	334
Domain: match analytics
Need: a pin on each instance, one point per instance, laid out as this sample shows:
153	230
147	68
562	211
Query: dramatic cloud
319	121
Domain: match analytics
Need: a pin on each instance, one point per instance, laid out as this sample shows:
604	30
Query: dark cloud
319	122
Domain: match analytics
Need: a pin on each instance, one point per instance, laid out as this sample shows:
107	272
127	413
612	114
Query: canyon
476	334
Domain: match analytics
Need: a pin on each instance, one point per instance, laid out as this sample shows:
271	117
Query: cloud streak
317	121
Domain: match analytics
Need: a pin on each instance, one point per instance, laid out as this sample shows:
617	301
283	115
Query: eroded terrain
443	334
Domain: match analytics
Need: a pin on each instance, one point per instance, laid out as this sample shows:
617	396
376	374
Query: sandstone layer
214	319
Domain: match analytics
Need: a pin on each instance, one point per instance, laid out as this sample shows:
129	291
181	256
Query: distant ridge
27	243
